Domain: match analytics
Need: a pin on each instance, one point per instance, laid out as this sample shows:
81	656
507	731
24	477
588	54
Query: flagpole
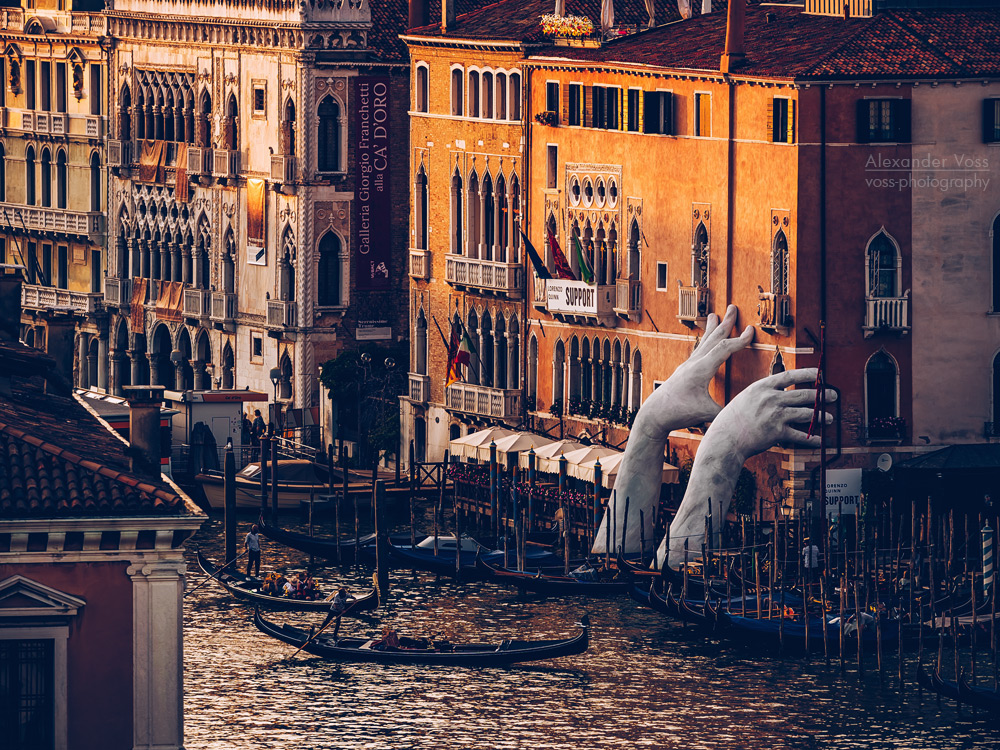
443	339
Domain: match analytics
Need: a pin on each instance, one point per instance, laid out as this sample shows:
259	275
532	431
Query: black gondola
553	585
412	651
979	697
319	546
245	588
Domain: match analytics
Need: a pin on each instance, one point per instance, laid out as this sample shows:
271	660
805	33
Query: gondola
699	612
553	585
793	629
324	546
979	697
245	588
423	557
634	568
413	651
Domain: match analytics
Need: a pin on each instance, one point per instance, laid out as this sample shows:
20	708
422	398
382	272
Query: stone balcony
498	403
224	310
420	264
692	304
283	168
225	164
581	302
117	292
119	153
88	225
774	312
420	388
628	298
197	304
199	160
280	314
889	314
490	275
35	297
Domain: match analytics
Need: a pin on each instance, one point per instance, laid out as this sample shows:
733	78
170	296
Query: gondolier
252	545
337	609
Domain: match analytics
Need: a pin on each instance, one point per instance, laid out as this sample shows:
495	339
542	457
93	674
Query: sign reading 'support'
577	297
371	198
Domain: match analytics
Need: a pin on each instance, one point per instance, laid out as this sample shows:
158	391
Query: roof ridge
91	466
837	48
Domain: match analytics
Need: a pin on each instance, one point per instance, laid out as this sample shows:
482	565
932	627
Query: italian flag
586	273
460	351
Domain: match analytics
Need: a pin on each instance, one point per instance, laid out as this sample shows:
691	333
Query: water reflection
645	681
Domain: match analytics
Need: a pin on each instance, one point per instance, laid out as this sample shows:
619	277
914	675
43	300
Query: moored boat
247	589
554	585
423	652
452	560
297	480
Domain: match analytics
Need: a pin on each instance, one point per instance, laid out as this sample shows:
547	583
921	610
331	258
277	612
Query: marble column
176	269
154	369
145	259
136	371
201	380
164	253
511	360
179	383
102	363
83	366
186	276
117	371
199	267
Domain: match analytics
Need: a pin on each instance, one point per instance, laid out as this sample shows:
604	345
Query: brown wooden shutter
770	120
564	107
588	107
668	113
640	111
791	121
621	109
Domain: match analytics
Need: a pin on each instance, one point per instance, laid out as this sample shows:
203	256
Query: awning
547	457
468	446
520	442
609	471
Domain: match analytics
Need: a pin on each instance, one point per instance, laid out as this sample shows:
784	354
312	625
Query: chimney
419	15
447	15
144	427
11	277
735	20
847	9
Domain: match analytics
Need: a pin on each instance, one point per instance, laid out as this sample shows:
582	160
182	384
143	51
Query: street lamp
275	375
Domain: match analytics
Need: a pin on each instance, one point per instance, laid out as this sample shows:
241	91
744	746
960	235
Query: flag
607	15
462	356
585	270
540	270
684	7
563	270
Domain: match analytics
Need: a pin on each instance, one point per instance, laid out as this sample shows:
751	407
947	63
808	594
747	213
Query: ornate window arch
420	208
779	263
883	261
881	393
45	164
328	149
286	267
457	213
457	91
329	277
558	372
420	344
421	88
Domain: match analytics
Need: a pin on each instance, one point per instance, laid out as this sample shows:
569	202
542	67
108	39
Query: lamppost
373	403
275	375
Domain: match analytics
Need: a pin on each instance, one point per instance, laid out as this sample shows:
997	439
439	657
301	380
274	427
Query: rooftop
786	43
58	461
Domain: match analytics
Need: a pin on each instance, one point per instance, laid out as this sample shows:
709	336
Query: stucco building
53	180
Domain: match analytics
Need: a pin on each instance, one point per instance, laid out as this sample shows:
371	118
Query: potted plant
547	118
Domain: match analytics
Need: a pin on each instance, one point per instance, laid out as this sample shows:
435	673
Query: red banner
373	219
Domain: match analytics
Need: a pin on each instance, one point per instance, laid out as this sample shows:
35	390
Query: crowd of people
302	586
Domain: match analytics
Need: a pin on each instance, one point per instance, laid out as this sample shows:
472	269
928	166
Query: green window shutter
791	121
588	110
770	119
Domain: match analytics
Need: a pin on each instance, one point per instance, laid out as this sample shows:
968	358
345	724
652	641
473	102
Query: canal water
645	682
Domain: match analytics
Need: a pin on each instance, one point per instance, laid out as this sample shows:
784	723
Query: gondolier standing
252	545
337	609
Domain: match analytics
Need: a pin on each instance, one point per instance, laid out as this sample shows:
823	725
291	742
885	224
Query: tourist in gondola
252	546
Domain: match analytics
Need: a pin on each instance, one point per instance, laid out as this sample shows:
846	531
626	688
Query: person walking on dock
252	545
810	561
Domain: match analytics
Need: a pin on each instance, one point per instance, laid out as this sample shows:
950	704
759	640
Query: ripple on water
645	682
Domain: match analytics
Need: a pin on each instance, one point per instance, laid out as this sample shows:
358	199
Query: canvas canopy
468	446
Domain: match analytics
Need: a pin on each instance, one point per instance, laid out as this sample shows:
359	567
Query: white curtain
607	14
684	6
651	11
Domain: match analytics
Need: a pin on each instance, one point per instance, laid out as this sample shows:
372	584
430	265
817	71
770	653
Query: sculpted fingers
730	345
799	414
721	331
791	377
804	396
791	435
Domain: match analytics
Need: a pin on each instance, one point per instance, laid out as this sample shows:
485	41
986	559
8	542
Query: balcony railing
225	163
629	297
420	388
283	168
36	297
197	303
887	314
87	224
538	293
119	153
580	299
692	303
199	160
892	429
774	310
484	274
499	403
280	314
223	307
95	126
117	292
420	264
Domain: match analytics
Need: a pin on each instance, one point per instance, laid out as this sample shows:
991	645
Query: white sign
373	330
576	297
843	491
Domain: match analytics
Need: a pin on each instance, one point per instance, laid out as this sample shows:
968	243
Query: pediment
13	50
23	597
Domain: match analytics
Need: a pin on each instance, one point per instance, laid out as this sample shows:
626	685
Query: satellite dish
884	462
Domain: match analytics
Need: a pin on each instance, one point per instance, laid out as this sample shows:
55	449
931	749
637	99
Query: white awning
469	446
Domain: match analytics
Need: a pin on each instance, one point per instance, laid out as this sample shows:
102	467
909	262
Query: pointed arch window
558	372
231	131
422	93
489	217
420	344
61	179
699	257
288	129
328	148
46	169
329	277
457	92
203	127
420	208
473	93
634	250
996	263
779	264
457	199
883	266
881	396
532	371
125	115
475	217
95	182
286	271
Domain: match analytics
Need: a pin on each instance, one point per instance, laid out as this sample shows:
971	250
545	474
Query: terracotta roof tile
57	461
787	43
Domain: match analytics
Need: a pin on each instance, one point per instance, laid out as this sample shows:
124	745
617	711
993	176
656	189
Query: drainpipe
525	206
730	210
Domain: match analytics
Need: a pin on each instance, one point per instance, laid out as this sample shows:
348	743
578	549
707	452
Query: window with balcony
328	142
328	279
881	397
779	264
29	176
457	199
46	169
552	96
421	94
125	115
61	179
699	257
457	92
288	129
883	121
781	120
489	219
883	260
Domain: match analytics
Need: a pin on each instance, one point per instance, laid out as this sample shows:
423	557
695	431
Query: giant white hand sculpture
759	417
682	401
